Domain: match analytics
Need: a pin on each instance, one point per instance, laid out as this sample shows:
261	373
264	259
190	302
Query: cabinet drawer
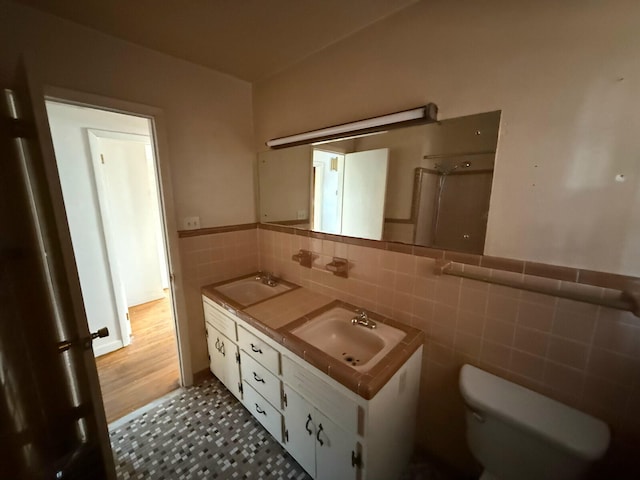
219	318
326	398
267	415
261	379
262	352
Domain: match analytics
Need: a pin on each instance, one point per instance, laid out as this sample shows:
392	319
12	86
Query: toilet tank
516	433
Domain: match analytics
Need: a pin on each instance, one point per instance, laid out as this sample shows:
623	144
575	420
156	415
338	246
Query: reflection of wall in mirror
284	185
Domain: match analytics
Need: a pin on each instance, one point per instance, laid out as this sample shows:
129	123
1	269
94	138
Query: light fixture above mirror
416	116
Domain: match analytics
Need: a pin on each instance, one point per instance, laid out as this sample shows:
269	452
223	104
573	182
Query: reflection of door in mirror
365	187
328	172
349	192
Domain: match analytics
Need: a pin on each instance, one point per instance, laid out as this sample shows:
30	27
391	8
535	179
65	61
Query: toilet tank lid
567	427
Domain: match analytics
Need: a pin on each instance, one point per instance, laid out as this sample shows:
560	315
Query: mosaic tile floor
204	432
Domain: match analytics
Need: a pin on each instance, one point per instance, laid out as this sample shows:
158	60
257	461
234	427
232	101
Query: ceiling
249	39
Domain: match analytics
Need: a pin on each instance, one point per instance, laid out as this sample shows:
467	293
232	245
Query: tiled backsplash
217	255
584	355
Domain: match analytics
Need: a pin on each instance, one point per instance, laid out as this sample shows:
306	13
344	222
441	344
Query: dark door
52	422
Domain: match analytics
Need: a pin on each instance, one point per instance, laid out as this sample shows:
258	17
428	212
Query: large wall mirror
425	185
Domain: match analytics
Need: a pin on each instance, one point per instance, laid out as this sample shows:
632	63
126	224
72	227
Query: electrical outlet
302	214
191	223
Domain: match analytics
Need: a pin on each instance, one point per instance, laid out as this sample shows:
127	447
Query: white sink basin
248	291
355	345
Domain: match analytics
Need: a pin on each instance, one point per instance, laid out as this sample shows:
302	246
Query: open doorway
108	174
344	183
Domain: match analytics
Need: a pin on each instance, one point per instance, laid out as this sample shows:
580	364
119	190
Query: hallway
147	368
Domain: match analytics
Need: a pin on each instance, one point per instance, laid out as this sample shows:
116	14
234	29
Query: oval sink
248	291
355	345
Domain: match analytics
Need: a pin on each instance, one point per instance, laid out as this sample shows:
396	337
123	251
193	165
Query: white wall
567	79
73	156
209	114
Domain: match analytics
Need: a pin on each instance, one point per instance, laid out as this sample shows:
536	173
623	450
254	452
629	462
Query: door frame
168	224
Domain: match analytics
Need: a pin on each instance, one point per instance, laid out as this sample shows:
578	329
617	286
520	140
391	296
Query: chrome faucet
267	278
363	319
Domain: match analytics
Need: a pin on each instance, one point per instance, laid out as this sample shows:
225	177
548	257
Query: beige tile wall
583	355
207	259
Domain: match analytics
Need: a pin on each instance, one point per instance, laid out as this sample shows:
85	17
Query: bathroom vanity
340	418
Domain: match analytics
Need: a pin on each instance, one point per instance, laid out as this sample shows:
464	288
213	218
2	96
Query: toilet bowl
518	434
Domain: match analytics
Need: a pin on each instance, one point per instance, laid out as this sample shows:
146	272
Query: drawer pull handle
259	410
318	435
257	377
255	349
307	425
217	345
222	349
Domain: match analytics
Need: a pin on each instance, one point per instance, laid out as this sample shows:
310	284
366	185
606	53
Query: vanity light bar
425	114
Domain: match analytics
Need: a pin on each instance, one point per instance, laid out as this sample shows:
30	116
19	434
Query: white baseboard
107	348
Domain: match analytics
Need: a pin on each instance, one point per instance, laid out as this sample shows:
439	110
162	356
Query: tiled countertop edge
366	384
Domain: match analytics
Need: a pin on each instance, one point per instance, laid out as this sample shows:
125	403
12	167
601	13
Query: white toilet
518	434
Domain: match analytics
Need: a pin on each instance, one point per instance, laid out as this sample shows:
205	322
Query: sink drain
351	359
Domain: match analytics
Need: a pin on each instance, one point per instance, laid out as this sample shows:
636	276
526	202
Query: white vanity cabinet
260	371
332	432
223	360
321	447
224	355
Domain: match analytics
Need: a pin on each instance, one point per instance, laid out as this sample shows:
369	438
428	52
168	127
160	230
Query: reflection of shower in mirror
446	171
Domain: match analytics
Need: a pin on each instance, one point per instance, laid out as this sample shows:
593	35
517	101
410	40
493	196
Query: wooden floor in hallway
146	369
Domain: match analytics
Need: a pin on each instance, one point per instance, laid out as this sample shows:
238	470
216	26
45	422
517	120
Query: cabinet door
300	430
334	450
223	360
